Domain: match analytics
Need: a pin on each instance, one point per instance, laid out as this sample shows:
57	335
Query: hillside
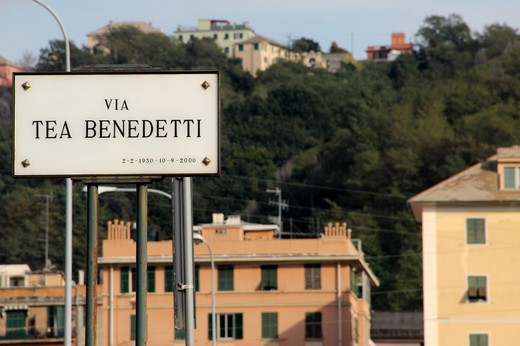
350	146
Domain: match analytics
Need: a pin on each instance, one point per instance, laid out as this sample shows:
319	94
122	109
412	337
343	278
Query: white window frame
226	328
516	178
466	231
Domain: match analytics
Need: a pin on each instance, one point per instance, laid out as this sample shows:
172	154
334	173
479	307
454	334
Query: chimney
218	218
118	230
233	220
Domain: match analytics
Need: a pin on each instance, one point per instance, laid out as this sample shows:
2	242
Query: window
512	178
229	326
255	46
478	340
477	288
237	35
225	278
16	281
240	47
215	36
312	276
55	321
269	277
128	279
168	279
151	279
226	36
313	325
132	327
15	325
269	325
475	231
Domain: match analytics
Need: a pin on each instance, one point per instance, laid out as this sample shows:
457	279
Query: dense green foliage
347	146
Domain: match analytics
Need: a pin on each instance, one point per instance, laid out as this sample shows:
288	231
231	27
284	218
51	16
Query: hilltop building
270	291
32	307
389	53
470	229
93	36
222	32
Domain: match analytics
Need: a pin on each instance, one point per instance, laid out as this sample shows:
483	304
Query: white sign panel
116	124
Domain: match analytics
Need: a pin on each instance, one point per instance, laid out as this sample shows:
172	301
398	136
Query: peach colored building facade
7	69
32	307
470	230
270	291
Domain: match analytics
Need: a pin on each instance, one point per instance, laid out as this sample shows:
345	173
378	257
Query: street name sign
116	124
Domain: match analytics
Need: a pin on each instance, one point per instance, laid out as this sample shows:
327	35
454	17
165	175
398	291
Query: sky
26	26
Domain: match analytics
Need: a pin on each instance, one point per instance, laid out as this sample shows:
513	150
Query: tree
497	39
334	48
305	45
446	43
52	58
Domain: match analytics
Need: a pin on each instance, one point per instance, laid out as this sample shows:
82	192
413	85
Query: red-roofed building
390	53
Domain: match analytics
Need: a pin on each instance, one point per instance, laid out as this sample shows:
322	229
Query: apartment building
269	291
470	229
32	307
224	33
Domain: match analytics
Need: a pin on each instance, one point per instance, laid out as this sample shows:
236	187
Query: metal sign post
179	297
142	264
92	255
188	261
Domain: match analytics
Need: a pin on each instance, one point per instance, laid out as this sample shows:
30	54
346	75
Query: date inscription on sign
116	124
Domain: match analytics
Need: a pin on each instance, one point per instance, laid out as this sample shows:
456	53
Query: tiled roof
477	184
259	39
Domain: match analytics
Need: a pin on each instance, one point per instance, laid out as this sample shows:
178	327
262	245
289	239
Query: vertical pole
188	252
142	262
68	205
178	251
92	255
213	303
68	265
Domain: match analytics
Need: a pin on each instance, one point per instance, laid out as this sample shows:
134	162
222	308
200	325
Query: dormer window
512	178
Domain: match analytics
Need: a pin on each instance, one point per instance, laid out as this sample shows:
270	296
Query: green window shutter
269	277
225	278
124	279
269	325
56	321
168	279
476	231
197	278
180	334
16	322
239	326
210	327
151	279
509	178
132	327
478	340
